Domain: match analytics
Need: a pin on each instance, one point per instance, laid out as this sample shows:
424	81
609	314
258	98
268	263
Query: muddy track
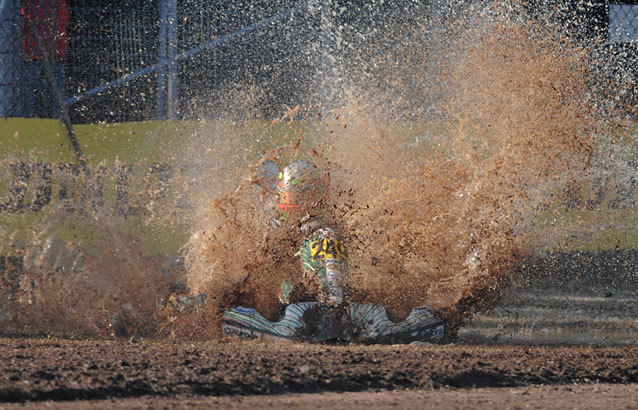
57	369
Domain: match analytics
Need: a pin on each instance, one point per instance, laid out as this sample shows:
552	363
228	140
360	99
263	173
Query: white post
173	79
163	56
9	59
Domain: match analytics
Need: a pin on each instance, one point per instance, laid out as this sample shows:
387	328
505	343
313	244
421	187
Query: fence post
9	58
64	113
326	37
329	39
167	80
163	56
173	80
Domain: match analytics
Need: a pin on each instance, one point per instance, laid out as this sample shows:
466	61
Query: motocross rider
302	190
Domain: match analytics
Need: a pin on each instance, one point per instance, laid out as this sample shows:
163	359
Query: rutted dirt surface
604	396
58	369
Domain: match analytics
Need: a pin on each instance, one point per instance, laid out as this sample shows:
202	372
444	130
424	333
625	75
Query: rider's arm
285	292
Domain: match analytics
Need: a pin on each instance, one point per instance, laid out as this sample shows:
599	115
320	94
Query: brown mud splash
100	284
79	268
443	228
243	249
446	229
439	220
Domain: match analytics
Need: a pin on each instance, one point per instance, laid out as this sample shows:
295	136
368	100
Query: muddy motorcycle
332	318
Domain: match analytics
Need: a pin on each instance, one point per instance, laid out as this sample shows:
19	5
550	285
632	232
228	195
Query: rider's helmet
301	186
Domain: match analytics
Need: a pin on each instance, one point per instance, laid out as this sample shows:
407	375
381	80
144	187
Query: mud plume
66	287
243	247
440	220
446	228
75	268
442	154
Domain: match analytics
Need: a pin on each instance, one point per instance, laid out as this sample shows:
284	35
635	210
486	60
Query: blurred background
132	61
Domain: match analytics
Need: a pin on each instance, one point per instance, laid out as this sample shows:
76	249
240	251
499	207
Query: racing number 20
328	249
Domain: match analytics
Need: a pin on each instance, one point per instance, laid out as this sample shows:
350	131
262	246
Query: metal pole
66	120
327	49
325	36
163	56
173	80
9	59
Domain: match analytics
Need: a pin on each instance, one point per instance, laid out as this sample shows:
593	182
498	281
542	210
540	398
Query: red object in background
51	18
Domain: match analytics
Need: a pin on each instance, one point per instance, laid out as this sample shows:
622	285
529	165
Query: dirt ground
607	396
151	373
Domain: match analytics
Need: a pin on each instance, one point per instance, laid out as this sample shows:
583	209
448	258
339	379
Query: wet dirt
37	370
530	397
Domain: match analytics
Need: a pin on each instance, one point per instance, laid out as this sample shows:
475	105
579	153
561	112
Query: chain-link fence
88	43
270	66
34	47
262	54
623	23
9	58
623	46
108	43
121	59
269	53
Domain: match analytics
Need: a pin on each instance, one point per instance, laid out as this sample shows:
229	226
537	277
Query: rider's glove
284	292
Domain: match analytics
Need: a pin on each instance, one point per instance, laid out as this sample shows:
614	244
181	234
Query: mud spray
442	152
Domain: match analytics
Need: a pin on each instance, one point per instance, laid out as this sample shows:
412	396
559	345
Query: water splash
444	222
444	150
